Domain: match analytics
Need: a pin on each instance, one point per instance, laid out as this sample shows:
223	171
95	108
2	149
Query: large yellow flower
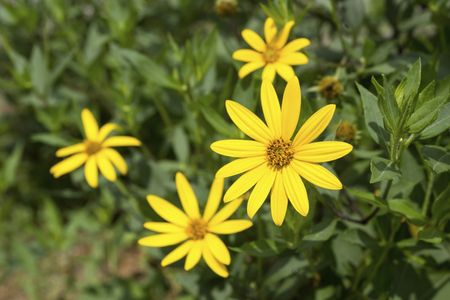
197	232
95	152
273	160
273	54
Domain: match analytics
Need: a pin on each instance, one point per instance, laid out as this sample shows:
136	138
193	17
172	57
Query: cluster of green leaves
162	70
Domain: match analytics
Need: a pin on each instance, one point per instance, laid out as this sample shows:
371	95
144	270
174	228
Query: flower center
271	54
92	147
279	153
197	229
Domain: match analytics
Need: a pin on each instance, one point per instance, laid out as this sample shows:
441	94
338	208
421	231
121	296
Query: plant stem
428	192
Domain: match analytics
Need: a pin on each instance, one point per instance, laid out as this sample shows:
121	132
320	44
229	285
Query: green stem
428	192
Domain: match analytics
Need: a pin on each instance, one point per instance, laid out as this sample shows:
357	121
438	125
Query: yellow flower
197	232
273	160
95	152
273	54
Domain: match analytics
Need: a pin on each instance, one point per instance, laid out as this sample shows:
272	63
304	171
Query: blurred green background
162	70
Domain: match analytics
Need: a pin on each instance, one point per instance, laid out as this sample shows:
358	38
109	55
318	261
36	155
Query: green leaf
425	114
372	116
38	71
366	197
437	157
216	121
407	209
322	231
11	166
440	211
387	103
431	235
382	169
261	248
180	144
407	90
50	139
441	123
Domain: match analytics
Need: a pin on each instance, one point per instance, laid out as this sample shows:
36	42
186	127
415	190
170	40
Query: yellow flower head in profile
95	152
272	53
275	162
197	232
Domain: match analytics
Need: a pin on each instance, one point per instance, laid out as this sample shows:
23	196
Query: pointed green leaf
382	169
372	116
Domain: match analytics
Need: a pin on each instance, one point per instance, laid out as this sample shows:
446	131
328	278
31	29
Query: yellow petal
163	239
260	192
218	248
214	264
248	122
163	227
89	124
271	107
239	148
194	255
247	55
284	34
68	164
278	201
214	198
290	108
285	71
254	40
121	141
245	182
295	190
296	45
322	151
188	199
226	212
270	30
240	165
177	254
250	67
70	150
106	166
116	159
168	211
317	175
293	59
268	72
91	172
105	130
230	227
314	126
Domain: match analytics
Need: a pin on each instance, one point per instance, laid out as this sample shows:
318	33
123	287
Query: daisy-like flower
272	53
95	152
275	162
197	232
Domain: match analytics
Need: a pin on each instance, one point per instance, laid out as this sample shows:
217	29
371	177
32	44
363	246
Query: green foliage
162	70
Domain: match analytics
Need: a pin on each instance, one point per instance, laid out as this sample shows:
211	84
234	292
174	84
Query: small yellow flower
197	232
275	162
273	54
346	131
95	152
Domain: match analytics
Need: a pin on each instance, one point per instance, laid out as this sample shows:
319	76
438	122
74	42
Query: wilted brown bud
346	132
226	7
330	87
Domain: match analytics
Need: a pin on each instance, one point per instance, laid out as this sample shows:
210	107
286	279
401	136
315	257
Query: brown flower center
271	54
197	229
92	147
279	153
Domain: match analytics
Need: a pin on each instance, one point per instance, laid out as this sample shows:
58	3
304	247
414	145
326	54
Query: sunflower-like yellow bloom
197	232
95	152
275	162
273	54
